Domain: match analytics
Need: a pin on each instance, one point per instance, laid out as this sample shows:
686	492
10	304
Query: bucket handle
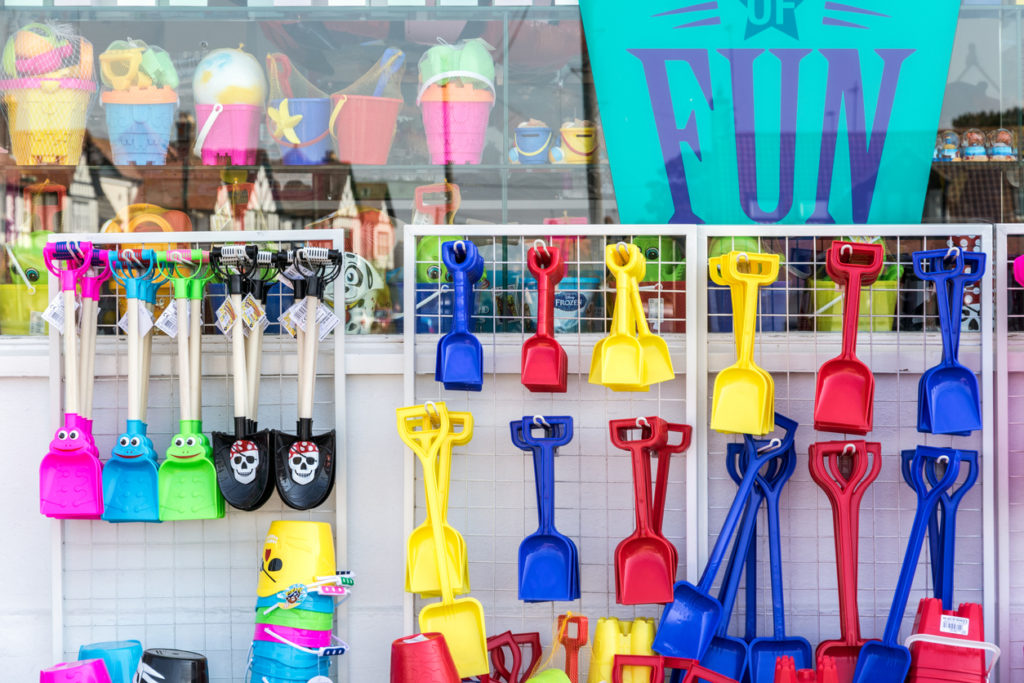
990	648
457	73
542	149
334	114
197	148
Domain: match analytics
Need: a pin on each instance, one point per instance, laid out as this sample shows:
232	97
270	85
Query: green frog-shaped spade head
666	261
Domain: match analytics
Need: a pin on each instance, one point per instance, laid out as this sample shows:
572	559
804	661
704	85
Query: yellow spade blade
461	622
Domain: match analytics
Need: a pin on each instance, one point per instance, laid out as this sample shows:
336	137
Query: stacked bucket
456	96
139	99
48	84
294	616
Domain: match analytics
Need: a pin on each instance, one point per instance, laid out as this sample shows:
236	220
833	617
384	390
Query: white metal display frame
1003	494
705	350
335	347
508	352
887	356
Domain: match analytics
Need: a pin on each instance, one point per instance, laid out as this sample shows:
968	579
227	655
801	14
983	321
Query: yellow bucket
578	144
877	306
46	118
295	552
17	306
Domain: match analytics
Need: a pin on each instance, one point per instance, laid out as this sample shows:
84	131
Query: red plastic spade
845	491
545	365
844	399
644	567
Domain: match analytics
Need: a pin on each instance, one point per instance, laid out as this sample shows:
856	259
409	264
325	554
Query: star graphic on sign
766	14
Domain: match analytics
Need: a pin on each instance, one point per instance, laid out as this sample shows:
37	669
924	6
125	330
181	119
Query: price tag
225	317
54	313
168	320
960	626
145	318
253	313
325	320
294	272
287	320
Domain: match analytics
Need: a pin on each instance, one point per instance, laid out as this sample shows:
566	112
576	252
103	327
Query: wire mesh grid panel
799	328
188	584
492	499
1010	442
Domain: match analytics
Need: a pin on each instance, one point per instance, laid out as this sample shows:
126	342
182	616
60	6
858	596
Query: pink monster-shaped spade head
73	437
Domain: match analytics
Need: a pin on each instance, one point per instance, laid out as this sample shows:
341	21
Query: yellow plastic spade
620	354
743	392
460	433
657	359
460	621
425	434
736	291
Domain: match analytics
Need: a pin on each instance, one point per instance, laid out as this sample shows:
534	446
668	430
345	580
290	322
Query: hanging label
287	321
168	320
36	324
960	626
325	320
252	312
145	318
294	272
225	317
54	313
297	313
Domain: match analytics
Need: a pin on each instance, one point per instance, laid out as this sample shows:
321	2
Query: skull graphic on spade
303	460
245	458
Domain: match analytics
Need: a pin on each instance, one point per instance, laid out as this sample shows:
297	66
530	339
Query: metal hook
742	255
849	449
539	244
540	421
774	443
623	250
435	417
460	246
846	248
943	460
642	422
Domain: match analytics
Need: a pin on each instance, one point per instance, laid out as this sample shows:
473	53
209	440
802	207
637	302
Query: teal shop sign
770	111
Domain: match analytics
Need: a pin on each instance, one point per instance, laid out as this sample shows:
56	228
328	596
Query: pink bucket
228	133
85	671
364	127
456	123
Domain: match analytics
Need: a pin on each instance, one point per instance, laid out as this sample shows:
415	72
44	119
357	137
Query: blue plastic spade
950	390
460	357
764	651
942	523
548	560
887	661
727	654
690	621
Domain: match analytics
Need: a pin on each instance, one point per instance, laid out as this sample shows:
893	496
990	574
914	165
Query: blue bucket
314	145
532	144
121	657
313	602
285	661
140	133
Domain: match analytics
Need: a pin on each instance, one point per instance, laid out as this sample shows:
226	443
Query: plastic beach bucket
87	671
455	120
532	144
578	144
139	122
121	657
422	657
314	145
177	666
364	127
21	309
228	133
46	118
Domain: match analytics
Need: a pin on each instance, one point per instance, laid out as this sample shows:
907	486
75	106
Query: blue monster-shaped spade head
134	443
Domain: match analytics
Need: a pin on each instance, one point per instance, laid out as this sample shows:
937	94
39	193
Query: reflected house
369	232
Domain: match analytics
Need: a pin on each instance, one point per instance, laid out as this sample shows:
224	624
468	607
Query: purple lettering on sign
655	62
741	62
845	85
